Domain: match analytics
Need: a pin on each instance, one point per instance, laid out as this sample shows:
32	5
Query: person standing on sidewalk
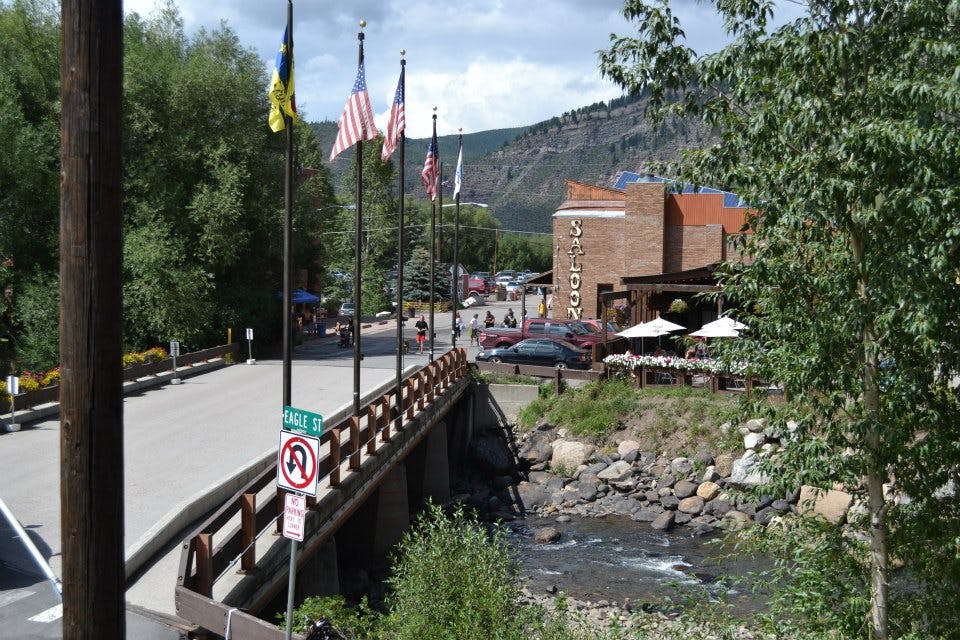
475	329
421	327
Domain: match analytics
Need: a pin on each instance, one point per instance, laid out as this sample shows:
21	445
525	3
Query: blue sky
485	64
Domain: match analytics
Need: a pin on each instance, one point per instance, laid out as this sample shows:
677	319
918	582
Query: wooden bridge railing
209	551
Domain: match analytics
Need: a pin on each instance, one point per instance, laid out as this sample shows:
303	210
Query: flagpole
456	250
357	224
402	144
433	239
288	296
288	231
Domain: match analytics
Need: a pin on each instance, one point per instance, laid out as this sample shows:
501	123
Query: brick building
641	229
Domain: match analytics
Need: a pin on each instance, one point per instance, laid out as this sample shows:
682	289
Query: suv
347	309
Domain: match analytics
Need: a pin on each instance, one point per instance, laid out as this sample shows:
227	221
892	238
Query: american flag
356	121
397	122
429	176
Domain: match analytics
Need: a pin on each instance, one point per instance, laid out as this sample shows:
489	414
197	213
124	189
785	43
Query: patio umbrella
725	322
652	329
716	331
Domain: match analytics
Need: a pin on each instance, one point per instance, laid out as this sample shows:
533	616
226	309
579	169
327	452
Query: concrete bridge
374	472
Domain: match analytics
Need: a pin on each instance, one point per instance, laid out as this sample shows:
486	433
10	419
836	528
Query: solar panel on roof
730	200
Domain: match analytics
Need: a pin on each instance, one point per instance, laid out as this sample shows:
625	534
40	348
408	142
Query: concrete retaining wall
496	405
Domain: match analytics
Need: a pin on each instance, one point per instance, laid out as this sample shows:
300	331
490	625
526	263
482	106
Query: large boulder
692	505
684	489
663	521
746	472
536	452
832	505
586	491
647	514
545	535
753	440
532	495
681	466
708	491
626	447
669	502
616	472
724	464
570	454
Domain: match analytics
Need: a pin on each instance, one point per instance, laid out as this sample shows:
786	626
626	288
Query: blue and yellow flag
281	88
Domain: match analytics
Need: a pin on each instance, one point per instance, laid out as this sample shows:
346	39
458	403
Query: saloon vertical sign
575	308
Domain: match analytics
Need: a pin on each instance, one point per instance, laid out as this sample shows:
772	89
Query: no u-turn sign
297	462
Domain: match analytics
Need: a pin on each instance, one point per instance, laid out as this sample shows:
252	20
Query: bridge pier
428	469
320	575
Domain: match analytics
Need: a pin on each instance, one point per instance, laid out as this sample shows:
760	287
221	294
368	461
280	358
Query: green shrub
353	623
452	578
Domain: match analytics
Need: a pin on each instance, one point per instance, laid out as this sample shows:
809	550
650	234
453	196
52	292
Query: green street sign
302	421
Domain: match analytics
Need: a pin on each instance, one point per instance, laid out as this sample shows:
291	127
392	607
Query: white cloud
484	63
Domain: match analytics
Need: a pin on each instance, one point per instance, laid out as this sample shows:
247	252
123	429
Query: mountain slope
520	172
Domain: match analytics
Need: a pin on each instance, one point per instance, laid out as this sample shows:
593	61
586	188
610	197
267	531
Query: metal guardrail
209	551
24	401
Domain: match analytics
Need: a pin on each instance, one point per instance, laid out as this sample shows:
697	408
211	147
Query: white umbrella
642	331
652	329
726	322
717	331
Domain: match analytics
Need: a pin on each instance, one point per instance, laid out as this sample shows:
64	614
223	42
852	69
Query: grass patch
596	410
675	420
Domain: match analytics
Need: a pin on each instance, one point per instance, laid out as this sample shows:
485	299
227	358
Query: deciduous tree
841	127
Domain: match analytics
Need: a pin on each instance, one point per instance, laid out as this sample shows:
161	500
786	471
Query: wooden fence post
421	388
334	457
248	526
204	558
354	442
411	394
372	424
385	417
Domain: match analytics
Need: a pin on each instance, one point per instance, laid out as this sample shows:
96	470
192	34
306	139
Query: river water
617	559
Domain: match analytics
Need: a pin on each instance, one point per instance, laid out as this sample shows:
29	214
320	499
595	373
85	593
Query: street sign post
174	352
302	421
294	516
13	388
250	359
297	462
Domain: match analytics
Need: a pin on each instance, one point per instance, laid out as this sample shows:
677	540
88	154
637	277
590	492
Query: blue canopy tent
301	297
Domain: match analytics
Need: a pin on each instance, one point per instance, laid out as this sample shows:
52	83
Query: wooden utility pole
91	246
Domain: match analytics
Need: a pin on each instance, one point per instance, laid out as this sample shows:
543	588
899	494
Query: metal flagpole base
251	361
176	381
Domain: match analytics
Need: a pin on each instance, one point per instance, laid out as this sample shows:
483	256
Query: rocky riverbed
543	481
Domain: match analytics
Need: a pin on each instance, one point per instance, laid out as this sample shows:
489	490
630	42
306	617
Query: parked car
515	286
347	309
594	325
541	352
476	285
503	277
539	328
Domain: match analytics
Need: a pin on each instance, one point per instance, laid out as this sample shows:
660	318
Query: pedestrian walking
475	329
421	327
457	326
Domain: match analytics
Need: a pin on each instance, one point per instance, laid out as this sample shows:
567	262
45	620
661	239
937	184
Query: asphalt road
180	440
